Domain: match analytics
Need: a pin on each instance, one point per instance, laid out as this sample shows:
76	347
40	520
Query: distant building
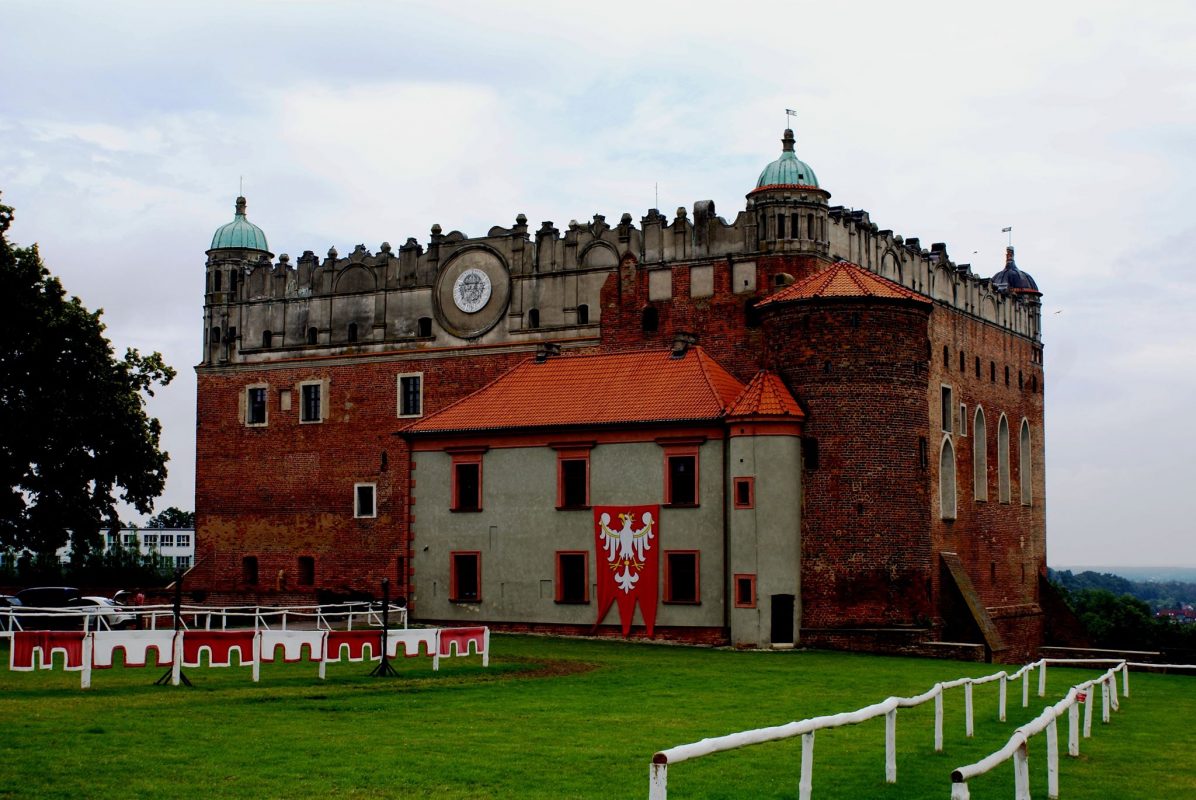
842	431
176	546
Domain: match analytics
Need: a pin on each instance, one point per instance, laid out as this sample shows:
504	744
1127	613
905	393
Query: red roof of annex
642	386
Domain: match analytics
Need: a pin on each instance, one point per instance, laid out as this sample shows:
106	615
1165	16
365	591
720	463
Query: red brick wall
860	369
1002	545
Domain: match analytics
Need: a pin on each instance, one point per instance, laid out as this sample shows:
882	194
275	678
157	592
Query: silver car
114	616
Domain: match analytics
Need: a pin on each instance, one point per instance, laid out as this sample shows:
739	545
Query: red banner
627	544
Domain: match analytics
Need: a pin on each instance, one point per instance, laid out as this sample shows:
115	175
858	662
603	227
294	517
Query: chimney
546	350
682	341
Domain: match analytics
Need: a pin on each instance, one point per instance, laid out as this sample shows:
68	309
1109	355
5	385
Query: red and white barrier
84	650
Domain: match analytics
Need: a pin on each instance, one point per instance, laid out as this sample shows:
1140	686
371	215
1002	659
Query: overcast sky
125	128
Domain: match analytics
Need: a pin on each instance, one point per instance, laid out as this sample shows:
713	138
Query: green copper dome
240	233
788	170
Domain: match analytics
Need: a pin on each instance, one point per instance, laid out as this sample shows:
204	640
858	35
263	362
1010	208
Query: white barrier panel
136	646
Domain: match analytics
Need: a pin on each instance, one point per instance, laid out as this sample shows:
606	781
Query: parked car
7	601
114	615
49	597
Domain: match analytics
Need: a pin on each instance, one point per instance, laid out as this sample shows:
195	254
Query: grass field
555	719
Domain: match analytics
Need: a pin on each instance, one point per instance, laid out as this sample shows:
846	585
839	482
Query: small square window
363	500
745	492
574	478
467	482
572	577
465	577
681	478
311	408
745	591
255	405
681	576
411	394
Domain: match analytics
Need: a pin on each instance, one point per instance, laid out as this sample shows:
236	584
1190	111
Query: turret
789	207
236	247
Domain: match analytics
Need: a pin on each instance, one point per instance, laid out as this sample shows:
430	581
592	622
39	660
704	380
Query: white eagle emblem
625	548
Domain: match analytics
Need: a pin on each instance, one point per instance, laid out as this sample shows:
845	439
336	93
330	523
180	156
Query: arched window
793	222
312	333
947	480
423	327
780	226
1025	478
533	318
650	320
216	278
979	456
267	338
232	282
583	314
1003	460
215	339
352	333
810	227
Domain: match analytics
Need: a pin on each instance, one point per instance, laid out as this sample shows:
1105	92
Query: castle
840	431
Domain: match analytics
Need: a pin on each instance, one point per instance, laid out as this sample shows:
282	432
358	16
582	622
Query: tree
73	427
172	518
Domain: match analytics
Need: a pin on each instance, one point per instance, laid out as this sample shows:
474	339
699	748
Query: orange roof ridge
636	386
765	395
843	279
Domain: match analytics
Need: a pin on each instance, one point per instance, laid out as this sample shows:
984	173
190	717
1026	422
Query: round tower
789	207
236	247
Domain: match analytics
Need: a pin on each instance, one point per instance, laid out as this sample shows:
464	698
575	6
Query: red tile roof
843	279
640	386
765	395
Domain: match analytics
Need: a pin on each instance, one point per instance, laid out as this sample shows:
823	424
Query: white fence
157	617
1015	749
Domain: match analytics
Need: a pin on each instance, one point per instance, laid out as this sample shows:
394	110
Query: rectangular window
572	577
681	476
947	409
363	500
249	569
681	576
465	577
311	408
573	478
307	571
182	562
129	539
411	394
166	540
467	482
149	539
183	540
745	591
963	419
255	405
745	492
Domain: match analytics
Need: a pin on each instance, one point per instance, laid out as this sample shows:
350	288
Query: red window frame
751	492
453	590
682	451
571	454
559	587
668	577
735	587
460	459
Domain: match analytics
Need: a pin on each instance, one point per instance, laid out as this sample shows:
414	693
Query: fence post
1042	679
1073	729
1088	701
88	655
1125	679
938	719
257	662
969	727
1104	700
1026	689
891	746
176	667
1001	705
959	791
806	783
658	782
1113	701
1052	733
1021	772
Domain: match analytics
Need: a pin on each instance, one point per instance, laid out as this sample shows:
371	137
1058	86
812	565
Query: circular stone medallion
471	290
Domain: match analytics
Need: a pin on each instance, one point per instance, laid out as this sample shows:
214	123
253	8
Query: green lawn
555	719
